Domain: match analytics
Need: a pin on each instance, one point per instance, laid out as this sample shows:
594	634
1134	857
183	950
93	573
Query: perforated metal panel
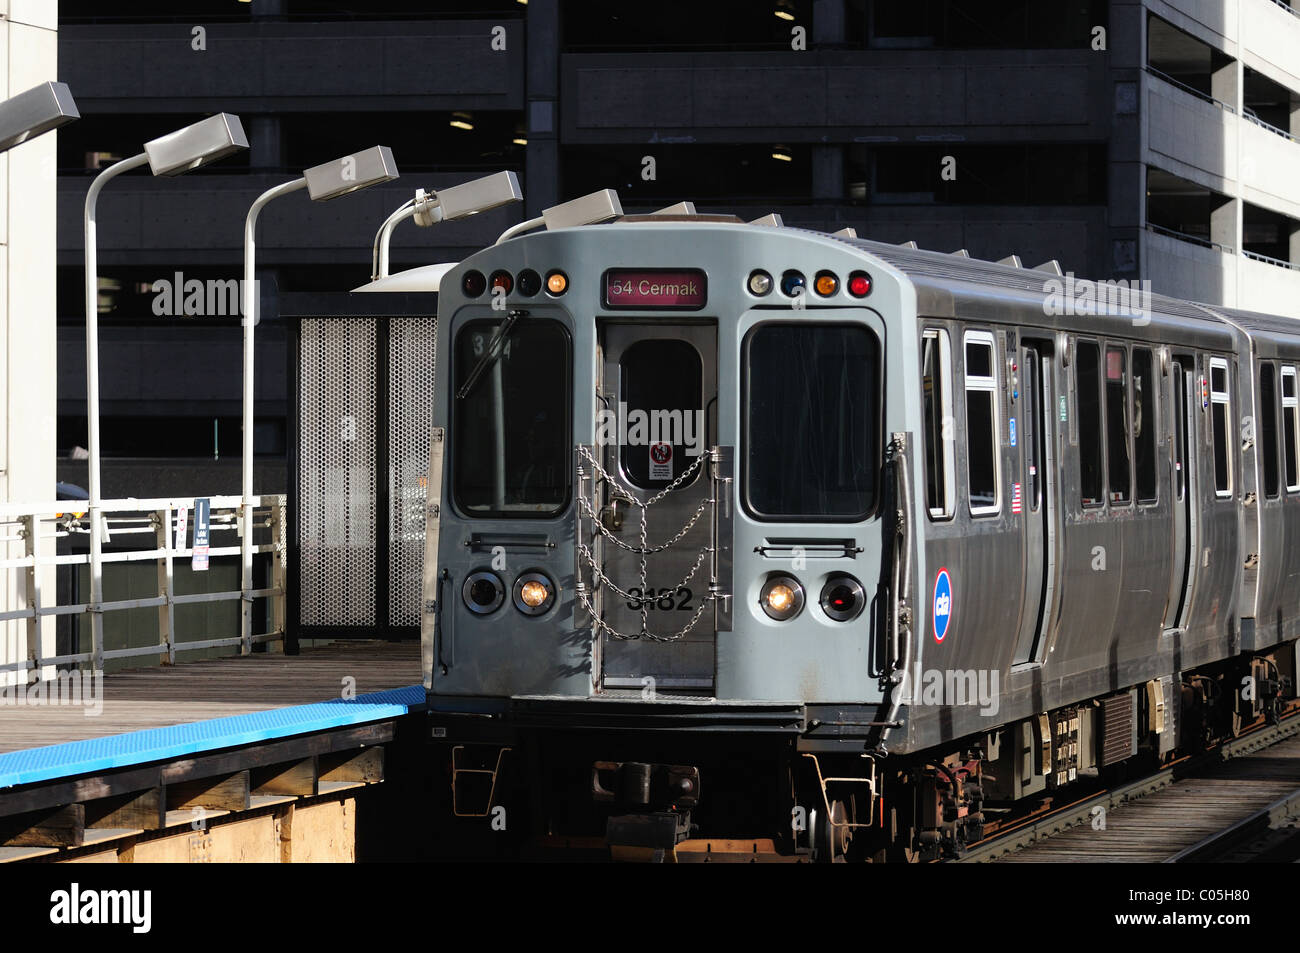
412	353
337	491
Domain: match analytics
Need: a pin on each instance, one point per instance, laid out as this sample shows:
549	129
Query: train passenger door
658	401
1182	488
1037	497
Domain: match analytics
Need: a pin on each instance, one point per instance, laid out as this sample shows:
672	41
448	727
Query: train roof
943	278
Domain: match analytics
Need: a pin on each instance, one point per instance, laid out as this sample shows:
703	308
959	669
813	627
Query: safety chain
585	505
645	549
585	551
613	633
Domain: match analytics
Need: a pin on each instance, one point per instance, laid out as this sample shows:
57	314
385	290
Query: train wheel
830	841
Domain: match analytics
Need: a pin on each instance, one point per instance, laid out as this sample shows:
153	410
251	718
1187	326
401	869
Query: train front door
657	411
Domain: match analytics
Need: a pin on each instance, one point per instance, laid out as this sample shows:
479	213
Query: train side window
936	383
1144	424
1117	425
1088	402
984	467
1290	427
1220	414
1268	429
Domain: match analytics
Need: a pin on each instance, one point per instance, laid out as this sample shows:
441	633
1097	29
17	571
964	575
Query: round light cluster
826	284
528	283
842	597
484	592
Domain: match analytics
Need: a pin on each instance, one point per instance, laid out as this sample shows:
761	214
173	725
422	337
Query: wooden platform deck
215	688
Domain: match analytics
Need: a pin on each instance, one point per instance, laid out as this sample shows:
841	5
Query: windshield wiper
490	356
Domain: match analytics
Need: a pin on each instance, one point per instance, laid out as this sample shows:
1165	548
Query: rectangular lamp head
197	145
357	171
35	111
491	191
588	210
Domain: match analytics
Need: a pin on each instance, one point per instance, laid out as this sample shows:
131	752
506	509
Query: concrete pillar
1293	250
1225	224
27	255
828	173
541	94
1226	82
829	25
265	142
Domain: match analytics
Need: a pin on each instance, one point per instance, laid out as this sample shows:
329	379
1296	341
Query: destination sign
655	288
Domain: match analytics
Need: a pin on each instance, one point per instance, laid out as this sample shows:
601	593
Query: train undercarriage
747	796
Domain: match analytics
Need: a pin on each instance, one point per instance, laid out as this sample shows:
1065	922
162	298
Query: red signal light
859	284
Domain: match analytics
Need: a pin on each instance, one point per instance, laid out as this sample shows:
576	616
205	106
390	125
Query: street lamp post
323	182
174	154
445	205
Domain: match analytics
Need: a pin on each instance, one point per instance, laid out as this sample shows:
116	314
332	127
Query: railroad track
1270	835
1184	806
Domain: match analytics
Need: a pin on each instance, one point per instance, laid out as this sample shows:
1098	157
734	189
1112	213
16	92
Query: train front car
662	578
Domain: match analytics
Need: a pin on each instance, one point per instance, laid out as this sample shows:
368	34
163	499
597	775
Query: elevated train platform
206	760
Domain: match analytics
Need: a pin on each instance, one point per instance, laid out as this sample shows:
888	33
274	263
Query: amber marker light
826	284
557	283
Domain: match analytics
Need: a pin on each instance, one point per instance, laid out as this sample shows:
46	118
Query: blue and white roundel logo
942	604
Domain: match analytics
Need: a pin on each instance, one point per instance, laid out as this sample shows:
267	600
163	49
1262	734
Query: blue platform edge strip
159	744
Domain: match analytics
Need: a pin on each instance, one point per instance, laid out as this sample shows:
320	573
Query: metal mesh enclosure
412	350
336	450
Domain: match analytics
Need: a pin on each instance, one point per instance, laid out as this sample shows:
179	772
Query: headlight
534	593
483	592
843	598
782	598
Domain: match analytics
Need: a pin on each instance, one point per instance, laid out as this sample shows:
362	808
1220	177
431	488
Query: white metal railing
38	527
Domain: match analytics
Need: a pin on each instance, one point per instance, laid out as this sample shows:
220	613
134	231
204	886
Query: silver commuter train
738	530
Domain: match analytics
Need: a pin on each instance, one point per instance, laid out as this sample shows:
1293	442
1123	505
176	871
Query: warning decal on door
661	461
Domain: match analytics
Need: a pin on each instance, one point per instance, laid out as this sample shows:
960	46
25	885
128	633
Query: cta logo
943	605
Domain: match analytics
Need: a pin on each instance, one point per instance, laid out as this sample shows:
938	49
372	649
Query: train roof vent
771	219
681	208
1012	260
1052	267
846	233
698	218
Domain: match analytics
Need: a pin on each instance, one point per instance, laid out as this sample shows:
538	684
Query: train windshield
812	421
510	429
